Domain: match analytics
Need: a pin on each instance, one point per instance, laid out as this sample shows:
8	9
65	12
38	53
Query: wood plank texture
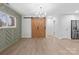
44	46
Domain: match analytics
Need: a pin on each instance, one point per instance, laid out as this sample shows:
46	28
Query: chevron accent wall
9	36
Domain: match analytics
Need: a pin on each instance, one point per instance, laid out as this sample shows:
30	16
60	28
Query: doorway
38	27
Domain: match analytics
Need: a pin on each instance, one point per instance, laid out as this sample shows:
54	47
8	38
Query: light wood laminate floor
44	46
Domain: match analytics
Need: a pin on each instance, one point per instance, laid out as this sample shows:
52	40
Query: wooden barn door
38	27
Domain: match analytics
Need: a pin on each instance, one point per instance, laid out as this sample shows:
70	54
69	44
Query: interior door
38	27
75	29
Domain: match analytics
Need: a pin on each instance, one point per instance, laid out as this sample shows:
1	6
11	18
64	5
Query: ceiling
29	9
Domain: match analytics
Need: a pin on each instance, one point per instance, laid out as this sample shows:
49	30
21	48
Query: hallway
47	46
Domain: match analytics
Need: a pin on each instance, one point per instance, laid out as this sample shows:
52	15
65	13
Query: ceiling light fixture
41	12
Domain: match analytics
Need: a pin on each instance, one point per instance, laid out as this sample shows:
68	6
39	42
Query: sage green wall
8	36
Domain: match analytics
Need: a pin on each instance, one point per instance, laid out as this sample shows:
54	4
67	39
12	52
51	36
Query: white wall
50	26
61	28
64	25
26	28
